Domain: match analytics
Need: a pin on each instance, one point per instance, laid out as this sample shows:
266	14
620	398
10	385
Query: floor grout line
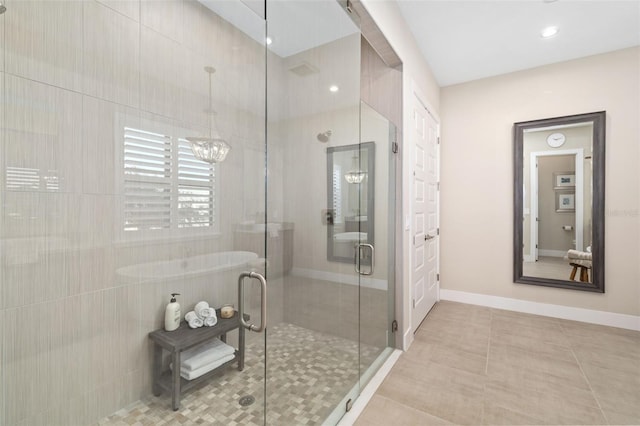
593	393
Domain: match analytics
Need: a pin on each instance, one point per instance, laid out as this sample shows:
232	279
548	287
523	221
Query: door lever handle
428	237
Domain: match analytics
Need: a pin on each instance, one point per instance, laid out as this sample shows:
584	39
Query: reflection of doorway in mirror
553	233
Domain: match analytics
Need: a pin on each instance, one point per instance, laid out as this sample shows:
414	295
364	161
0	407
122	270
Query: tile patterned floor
472	365
309	373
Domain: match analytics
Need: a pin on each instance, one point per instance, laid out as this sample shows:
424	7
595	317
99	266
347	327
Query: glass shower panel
377	290
313	95
105	210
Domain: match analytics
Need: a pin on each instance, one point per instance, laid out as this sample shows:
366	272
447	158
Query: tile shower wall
72	333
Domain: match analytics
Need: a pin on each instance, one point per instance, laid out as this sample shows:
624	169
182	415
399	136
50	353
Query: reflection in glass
350	171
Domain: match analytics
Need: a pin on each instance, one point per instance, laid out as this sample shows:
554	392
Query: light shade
211	150
355	176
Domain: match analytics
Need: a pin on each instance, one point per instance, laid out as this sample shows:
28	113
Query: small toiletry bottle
172	314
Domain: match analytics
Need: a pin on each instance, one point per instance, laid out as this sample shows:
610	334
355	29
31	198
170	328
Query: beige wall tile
163	16
3	393
159	77
111	55
130	8
103	125
56	57
43	138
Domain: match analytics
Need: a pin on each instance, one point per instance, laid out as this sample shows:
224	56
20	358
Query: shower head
3	8
324	137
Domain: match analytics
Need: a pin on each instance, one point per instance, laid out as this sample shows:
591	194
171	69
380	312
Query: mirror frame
370	149
597	205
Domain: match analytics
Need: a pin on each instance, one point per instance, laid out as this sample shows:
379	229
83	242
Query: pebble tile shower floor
308	374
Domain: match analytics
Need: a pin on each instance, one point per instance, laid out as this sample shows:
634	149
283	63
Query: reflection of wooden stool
584	272
581	259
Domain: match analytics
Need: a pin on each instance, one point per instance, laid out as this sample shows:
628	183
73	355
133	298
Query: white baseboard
407	339
611	319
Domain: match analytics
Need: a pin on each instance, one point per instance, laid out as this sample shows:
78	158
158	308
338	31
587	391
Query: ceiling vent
303	69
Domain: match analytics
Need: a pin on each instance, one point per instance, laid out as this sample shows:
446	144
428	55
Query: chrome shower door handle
358	255
263	301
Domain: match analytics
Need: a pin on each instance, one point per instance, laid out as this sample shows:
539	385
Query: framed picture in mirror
565	202
564	180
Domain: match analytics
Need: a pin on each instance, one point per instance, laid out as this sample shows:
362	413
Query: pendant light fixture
355	175
211	149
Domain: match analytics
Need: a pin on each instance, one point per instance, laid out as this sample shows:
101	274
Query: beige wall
416	74
477	171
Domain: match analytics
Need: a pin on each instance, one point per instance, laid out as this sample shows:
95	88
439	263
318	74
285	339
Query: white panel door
424	273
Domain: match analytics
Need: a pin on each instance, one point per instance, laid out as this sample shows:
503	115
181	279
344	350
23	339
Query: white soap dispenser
172	314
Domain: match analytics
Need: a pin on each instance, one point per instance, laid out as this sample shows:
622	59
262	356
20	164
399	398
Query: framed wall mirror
559	167
350	186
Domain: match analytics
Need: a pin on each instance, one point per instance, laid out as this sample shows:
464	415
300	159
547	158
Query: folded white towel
210	321
200	356
190	316
194	374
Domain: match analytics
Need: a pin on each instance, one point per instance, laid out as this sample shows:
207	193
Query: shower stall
152	147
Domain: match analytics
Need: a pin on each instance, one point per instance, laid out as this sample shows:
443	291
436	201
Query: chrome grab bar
358	250
263	301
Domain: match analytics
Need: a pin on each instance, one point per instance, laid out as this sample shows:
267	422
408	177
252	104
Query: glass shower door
313	97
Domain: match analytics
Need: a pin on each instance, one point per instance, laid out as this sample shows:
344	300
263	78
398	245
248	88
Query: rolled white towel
192	319
199	307
195	323
208	313
210	321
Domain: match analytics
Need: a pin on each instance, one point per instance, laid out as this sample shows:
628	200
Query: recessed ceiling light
549	32
334	88
269	41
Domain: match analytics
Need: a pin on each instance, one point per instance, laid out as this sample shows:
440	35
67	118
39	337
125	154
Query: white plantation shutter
337	194
165	186
196	182
22	179
30	179
147	180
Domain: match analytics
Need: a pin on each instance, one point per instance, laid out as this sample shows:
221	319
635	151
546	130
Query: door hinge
438	140
437	277
414	303
350	10
438	231
438	186
394	326
394	147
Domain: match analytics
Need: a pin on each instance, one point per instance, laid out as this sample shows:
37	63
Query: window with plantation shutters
196	181
337	193
165	187
147	180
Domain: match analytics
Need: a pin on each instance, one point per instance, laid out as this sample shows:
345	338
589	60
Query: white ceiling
468	40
